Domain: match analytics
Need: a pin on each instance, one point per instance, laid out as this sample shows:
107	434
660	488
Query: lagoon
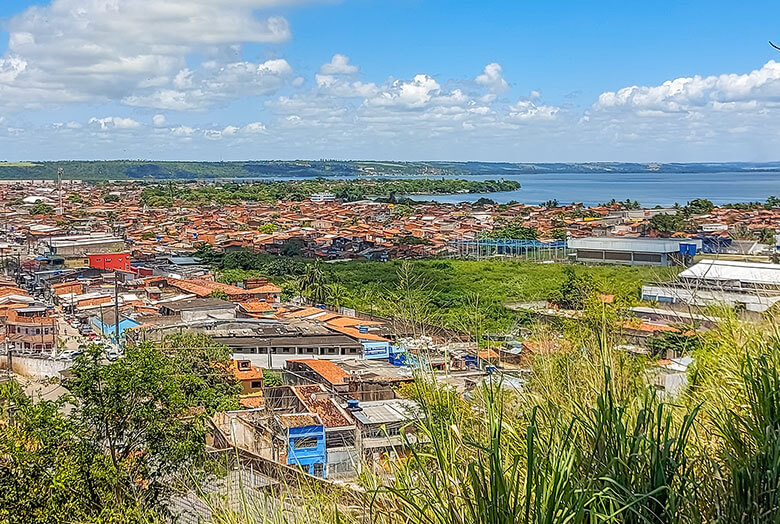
650	189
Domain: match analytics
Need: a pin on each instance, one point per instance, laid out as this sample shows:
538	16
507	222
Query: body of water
650	189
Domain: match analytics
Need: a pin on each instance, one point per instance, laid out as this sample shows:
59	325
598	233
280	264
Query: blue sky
408	79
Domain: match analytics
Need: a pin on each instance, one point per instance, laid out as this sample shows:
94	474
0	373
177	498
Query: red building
110	261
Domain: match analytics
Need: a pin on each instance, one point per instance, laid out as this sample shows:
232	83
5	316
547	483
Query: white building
749	285
634	251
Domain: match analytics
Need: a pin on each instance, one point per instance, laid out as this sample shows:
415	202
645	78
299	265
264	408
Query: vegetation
450	284
666	224
514	230
41	208
588	440
161	195
112	449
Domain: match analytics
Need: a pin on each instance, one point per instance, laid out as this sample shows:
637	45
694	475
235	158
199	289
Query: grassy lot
453	284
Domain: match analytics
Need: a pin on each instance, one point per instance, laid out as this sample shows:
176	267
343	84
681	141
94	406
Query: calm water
650	189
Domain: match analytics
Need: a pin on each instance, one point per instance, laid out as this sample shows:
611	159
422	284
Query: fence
526	249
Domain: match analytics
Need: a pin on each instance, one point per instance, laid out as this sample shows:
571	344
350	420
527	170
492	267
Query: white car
68	354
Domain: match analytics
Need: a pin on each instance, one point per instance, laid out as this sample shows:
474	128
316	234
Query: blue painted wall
309	456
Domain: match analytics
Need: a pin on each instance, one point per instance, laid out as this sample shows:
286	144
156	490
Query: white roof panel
728	270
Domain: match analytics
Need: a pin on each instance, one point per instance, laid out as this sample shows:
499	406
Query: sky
555	81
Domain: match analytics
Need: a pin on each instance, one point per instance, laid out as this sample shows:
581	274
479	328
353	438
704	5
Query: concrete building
81	245
750	286
635	251
266	342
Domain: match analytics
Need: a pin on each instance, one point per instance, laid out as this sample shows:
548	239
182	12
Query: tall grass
591	446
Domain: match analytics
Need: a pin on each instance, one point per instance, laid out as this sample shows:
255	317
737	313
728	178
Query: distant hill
150	170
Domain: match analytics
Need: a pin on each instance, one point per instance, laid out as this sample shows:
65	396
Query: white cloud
231	81
114	122
158	120
102	50
254	128
721	92
492	78
183	131
525	110
338	65
412	94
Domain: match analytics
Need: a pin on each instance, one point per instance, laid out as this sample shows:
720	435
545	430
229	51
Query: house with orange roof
250	377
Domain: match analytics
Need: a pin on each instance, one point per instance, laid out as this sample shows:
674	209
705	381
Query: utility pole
116	307
59	189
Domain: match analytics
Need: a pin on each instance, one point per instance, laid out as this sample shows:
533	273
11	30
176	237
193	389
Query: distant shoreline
151	171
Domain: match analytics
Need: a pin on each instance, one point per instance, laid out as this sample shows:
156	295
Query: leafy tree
268	228
220	295
483	202
666	224
411	240
550	204
698	206
559	234
109	198
767	236
41	208
134	426
292	247
574	291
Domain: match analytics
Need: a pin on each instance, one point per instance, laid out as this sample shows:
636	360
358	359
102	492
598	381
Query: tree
666	224
313	283
550	204
559	234
41	208
767	236
574	290
698	206
135	426
292	247
109	198
268	228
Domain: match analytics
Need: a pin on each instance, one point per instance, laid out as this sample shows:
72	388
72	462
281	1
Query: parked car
68	354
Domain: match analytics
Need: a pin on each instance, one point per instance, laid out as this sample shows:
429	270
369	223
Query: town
96	269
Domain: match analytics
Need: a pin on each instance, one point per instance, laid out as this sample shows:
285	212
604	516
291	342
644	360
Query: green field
450	286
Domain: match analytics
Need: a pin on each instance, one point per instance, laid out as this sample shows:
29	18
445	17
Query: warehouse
635	251
749	286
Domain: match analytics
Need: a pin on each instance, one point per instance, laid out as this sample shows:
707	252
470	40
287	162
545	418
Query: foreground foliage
111	449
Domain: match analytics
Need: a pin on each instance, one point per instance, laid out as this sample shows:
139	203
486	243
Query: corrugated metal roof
388	411
727	270
645	245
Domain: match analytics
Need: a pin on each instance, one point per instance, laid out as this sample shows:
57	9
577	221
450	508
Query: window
244	364
257	384
305	443
586	253
617	255
647	257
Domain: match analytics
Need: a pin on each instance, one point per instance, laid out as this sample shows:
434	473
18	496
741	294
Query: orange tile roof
251	373
355	333
253	401
327	369
255	306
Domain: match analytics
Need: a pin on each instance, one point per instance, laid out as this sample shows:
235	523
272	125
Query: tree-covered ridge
154	170
348	190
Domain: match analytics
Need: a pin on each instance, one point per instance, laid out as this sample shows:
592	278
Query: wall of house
35	367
